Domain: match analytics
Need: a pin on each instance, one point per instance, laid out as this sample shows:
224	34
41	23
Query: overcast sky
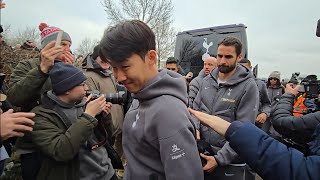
281	33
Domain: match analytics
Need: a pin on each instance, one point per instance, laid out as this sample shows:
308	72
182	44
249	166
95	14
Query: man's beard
226	69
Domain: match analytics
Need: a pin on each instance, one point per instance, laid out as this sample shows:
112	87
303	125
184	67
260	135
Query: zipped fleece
236	99
158	135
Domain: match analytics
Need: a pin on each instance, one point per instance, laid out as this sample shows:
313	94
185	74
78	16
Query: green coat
58	145
27	84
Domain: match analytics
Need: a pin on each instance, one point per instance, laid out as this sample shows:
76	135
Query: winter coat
270	158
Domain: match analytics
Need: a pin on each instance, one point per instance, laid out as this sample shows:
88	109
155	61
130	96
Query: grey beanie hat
64	77
49	34
275	74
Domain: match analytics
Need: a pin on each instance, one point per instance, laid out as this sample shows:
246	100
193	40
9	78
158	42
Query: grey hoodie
236	99
158	135
194	87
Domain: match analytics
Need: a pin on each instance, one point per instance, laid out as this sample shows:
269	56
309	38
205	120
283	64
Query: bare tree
86	46
22	35
156	13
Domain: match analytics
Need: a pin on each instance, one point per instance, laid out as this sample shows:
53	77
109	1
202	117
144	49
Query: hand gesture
211	163
13	124
290	89
48	54
96	106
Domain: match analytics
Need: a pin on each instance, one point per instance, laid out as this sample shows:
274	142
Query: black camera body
115	98
311	88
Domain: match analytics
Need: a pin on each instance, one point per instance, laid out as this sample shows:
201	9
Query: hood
89	64
54	98
241	74
164	83
201	74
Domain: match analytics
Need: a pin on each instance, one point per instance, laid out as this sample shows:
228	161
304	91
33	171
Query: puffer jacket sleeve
57	143
25	83
268	157
293	126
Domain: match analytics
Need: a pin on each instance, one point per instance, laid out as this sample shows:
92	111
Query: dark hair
245	60
171	60
124	39
232	41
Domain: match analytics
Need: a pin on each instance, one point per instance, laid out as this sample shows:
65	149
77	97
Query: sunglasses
273	78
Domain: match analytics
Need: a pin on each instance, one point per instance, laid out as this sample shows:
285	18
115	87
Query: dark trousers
30	165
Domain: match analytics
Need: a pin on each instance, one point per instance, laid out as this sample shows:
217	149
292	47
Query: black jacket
297	128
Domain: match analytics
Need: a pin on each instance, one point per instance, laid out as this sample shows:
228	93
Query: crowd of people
113	110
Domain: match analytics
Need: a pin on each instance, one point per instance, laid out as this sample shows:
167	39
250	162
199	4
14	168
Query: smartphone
59	38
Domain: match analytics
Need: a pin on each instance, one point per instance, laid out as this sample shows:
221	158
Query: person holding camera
66	137
299	129
30	79
158	136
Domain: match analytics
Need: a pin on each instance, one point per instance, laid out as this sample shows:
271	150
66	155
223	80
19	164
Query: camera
115	98
309	85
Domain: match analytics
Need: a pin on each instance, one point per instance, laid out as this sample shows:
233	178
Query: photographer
297	128
67	140
265	155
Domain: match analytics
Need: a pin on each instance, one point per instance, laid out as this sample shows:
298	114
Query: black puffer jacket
298	128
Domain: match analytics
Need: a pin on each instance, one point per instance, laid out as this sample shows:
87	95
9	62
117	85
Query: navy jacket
271	159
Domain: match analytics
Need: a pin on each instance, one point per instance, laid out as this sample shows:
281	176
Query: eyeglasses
172	69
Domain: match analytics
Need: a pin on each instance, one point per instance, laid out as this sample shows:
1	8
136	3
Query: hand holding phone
59	38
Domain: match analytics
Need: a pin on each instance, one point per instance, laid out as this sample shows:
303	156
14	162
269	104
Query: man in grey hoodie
264	101
229	92
209	64
158	135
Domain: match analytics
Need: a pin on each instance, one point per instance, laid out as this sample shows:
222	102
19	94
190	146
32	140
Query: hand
107	110
215	122
211	163
197	134
13	124
291	90
261	118
48	54
96	106
67	57
189	76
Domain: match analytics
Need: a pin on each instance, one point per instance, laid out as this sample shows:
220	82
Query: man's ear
239	57
152	57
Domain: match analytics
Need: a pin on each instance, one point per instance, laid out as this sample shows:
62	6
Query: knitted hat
275	74
95	53
64	77
49	34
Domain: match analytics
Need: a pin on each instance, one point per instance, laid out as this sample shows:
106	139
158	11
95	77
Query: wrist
43	70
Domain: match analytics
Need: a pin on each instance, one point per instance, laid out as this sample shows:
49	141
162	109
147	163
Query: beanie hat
275	74
64	77
49	34
95	53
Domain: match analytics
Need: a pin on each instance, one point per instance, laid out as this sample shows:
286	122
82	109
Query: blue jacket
270	158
